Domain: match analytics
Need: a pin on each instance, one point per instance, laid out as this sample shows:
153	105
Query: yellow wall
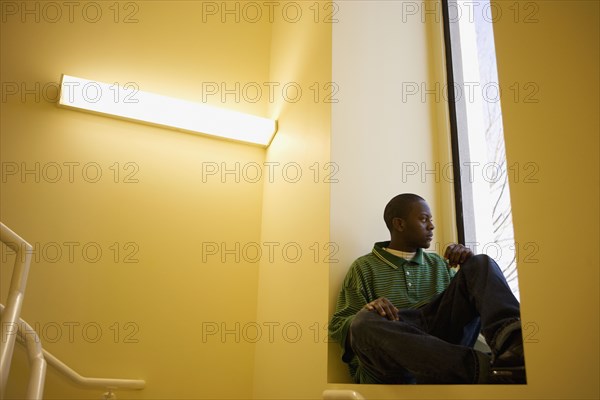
557	52
292	289
170	295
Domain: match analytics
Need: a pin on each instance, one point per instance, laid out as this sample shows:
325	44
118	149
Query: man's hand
457	254
383	307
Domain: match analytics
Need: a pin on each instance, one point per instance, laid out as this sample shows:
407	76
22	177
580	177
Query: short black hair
399	207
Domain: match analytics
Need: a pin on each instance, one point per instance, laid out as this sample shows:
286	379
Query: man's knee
481	258
481	265
360	322
364	325
479	261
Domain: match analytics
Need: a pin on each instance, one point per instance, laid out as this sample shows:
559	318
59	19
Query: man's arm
457	254
350	301
383	307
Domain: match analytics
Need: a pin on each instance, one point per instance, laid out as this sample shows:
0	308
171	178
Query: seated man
403	316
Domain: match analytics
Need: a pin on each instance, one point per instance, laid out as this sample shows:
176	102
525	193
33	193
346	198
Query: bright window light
129	103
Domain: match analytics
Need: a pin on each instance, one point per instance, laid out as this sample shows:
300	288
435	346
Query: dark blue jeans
434	343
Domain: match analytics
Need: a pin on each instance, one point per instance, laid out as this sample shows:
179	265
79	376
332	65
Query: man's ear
398	224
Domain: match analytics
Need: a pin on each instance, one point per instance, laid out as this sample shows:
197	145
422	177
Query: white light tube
132	104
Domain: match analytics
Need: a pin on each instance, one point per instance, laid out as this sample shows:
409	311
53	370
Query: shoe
510	353
508	366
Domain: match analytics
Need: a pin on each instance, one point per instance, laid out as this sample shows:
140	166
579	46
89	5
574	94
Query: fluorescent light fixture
129	103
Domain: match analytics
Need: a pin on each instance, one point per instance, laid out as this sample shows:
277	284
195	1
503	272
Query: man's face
418	228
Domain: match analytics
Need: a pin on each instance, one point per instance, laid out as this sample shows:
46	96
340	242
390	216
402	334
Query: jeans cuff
503	333
483	367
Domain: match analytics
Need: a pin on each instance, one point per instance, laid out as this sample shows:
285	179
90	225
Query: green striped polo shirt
406	283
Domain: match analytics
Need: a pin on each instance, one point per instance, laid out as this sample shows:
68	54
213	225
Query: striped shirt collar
395	261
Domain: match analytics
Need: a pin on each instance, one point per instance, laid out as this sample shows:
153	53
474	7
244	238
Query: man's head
408	218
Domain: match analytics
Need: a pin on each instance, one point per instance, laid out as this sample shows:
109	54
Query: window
479	159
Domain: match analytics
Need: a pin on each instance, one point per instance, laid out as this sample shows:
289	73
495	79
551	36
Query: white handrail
14	302
105	383
37	377
26	334
14	327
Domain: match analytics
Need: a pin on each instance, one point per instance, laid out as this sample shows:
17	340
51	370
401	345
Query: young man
403	316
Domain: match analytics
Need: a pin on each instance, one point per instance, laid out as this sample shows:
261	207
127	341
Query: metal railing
37	377
14	301
15	328
26	334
